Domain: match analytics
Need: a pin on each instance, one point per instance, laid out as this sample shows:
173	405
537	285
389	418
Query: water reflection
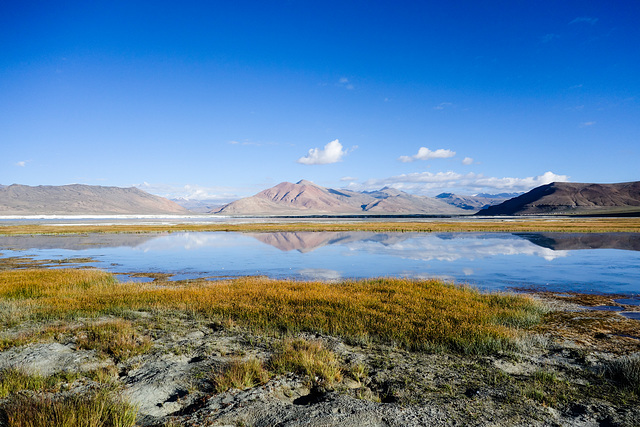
574	241
74	242
418	246
606	262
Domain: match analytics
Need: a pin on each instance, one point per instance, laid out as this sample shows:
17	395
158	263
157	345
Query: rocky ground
558	376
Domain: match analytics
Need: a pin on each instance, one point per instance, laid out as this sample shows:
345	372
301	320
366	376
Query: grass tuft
240	374
13	380
307	358
28	400
117	338
91	409
626	370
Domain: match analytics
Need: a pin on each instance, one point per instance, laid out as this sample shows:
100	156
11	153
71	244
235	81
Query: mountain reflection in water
573	241
73	241
508	243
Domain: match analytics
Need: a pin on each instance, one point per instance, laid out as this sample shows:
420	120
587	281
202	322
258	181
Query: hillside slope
570	198
307	198
77	199
477	202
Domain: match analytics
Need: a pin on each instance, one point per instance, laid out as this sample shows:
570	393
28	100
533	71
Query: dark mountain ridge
571	198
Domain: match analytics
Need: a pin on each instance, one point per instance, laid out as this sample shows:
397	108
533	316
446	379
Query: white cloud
344	82
547	38
467	161
348	178
190	191
426	154
443	105
587	124
519	184
584	20
332	153
246	142
21	164
470	183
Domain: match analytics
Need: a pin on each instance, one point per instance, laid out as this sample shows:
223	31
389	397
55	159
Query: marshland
82	344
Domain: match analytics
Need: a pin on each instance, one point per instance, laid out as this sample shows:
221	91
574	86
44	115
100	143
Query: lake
582	262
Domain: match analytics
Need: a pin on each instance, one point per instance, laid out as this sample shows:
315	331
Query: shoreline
510	224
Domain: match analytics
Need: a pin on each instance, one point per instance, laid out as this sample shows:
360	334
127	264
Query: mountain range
307	198
572	198
77	199
477	202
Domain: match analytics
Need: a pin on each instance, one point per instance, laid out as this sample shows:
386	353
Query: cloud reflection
416	246
192	241
321	274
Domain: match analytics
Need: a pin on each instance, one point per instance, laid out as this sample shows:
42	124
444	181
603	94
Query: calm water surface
587	262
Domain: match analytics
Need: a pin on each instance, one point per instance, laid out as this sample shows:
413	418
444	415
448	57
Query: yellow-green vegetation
241	374
548	389
57	331
358	372
582	225
308	358
100	407
116	338
14	380
415	314
91	409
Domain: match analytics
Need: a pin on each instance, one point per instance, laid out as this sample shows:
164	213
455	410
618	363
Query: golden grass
116	338
240	374
525	224
308	358
27	400
419	315
90	409
13	380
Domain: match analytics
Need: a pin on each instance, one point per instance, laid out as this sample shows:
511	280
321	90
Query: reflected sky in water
587	262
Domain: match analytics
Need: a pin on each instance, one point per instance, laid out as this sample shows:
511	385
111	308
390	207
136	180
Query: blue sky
221	99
